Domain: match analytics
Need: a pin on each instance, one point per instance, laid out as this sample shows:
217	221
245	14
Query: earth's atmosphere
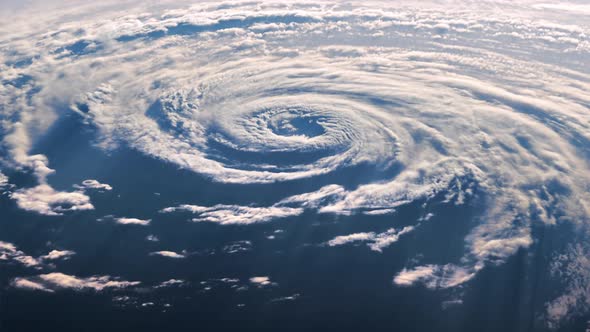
294	165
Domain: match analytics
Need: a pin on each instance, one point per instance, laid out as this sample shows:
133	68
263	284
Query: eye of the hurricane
293	122
255	139
275	139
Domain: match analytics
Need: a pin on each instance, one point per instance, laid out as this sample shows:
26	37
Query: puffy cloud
58	254
409	277
10	253
262	281
45	200
132	221
93	184
30	285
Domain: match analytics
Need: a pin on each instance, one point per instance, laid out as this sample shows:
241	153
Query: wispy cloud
376	241
168	254
236	214
55	281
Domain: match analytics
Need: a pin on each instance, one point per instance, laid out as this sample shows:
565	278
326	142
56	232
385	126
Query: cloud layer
424	100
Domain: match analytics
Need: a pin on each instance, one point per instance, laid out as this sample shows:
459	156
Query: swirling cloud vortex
430	101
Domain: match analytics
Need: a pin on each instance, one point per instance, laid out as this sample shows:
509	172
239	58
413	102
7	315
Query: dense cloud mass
464	101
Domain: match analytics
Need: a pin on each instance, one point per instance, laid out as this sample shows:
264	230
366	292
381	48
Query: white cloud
185	207
152	238
237	246
379	212
236	214
132	221
232	283
3	181
377	241
93	184
30	285
571	268
55	281
566	6
263	281
172	283
9	252
42	199
384	240
287	298
350	238
451	303
27	261
168	254
58	254
435	276
45	200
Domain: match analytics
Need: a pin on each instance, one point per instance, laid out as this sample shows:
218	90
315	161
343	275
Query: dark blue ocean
317	288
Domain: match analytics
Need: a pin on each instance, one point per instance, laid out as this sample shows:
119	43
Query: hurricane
351	109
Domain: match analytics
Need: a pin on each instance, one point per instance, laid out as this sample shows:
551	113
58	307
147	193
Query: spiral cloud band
408	102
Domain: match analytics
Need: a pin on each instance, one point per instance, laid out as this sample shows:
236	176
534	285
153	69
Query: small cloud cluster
93	184
10	253
43	199
152	238
235	214
172	283
237	246
573	269
435	276
376	241
233	283
3	181
58	254
263	281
